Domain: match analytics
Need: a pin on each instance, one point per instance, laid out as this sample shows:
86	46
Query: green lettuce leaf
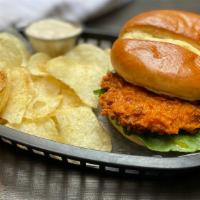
182	142
165	143
99	92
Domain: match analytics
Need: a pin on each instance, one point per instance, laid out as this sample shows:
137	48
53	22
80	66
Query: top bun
160	50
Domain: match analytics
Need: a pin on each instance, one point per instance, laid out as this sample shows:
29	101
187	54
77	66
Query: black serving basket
125	158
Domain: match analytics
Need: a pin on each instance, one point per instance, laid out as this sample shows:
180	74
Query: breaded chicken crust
143	111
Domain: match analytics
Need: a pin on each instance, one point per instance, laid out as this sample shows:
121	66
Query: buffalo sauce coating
143	111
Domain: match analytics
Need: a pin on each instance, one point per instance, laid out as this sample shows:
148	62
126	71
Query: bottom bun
132	138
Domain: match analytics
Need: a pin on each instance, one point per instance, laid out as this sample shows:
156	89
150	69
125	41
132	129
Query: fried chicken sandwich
152	97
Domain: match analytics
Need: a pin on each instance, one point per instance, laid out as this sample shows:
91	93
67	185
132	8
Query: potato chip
44	129
46	86
12	51
70	98
42	107
3	121
108	53
79	126
19	97
89	54
46	100
36	64
4	89
82	70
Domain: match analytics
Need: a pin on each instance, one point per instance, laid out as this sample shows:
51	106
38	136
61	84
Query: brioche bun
160	51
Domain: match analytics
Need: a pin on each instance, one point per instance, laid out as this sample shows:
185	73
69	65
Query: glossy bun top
160	50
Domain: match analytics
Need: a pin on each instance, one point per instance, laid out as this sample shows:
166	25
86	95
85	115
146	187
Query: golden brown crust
175	21
141	110
161	67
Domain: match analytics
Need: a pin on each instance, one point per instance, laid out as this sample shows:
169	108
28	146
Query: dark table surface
23	176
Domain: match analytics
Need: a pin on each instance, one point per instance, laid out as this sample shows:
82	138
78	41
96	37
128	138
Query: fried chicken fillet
143	111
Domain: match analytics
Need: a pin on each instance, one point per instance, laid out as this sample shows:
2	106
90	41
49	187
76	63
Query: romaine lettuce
182	142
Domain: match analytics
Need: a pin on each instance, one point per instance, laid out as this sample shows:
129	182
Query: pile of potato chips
53	98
